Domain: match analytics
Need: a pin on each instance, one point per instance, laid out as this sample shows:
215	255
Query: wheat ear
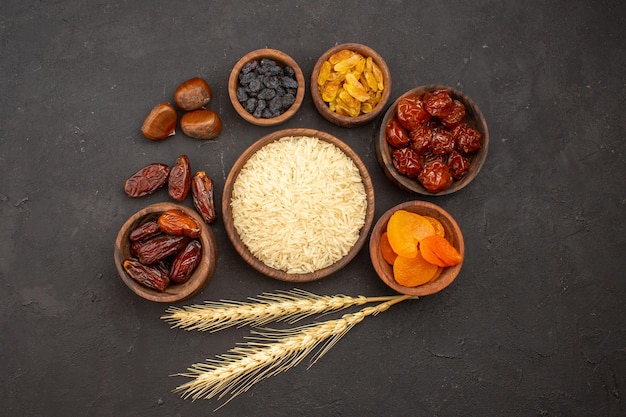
289	306
268	353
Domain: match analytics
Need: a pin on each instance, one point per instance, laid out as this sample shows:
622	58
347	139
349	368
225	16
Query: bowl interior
241	248
474	118
282	59
452	233
346	121
174	292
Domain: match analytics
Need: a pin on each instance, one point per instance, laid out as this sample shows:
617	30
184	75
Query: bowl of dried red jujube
165	252
433	140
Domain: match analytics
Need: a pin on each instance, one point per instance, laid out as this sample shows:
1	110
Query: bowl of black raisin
266	87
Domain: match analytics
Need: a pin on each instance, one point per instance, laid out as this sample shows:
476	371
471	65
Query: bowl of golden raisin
417	248
433	140
350	84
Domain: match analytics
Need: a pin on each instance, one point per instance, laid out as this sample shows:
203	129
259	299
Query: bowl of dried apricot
417	248
350	84
165	252
266	87
433	140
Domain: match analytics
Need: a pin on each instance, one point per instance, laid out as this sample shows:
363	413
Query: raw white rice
298	204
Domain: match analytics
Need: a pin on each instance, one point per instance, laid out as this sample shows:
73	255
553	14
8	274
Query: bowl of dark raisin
165	252
266	87
350	84
433	140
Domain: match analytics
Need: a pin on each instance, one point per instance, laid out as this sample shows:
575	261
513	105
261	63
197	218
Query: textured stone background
535	323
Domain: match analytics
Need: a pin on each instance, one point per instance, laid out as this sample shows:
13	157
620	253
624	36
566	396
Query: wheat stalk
289	306
268	353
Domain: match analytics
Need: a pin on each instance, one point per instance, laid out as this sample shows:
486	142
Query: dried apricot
437	250
411	272
405	229
439	230
385	249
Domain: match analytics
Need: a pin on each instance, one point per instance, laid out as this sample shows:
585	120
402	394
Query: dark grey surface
534	325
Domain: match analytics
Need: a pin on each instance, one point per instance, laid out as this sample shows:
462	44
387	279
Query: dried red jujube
395	134
435	176
438	103
456	116
411	113
458	165
407	162
468	140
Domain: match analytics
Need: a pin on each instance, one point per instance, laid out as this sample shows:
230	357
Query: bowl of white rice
298	205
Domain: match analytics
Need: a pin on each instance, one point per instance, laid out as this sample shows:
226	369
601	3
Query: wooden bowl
322	106
281	59
474	118
174	292
452	233
227	212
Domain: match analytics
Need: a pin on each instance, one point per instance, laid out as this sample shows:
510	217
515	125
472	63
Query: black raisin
267	94
242	95
250	66
275	105
250	105
289	71
288	82
271	81
255	85
244	79
267	114
288	100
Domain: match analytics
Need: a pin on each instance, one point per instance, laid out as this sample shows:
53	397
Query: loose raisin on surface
146	275
395	134
185	262
411	113
407	162
179	180
468	140
458	164
147	180
438	103
159	248
145	231
178	223
435	176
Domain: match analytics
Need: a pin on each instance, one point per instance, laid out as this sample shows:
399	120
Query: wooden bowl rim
283	59
385	271
477	161
241	248
346	121
174	292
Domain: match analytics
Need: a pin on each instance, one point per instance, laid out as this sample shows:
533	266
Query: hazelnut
161	122
193	94
201	124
